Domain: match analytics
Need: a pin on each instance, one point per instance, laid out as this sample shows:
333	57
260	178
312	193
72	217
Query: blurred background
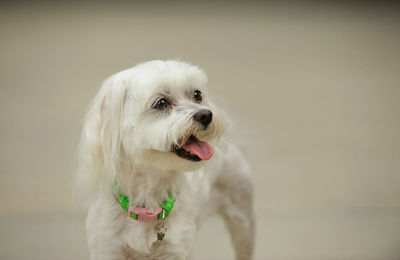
314	90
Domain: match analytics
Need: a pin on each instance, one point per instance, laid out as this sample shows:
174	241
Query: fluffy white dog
154	155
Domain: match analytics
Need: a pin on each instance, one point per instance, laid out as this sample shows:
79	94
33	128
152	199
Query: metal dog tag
162	229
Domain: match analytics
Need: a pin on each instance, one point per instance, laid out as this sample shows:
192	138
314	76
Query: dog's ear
100	141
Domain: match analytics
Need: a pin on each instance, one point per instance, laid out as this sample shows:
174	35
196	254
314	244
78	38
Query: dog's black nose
204	117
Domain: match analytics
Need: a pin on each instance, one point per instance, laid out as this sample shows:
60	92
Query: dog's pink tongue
202	149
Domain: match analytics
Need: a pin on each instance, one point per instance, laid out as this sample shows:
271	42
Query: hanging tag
162	229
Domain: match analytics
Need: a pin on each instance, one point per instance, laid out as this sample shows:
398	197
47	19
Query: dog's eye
197	96
161	104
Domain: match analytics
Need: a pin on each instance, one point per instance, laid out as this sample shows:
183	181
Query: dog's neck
149	188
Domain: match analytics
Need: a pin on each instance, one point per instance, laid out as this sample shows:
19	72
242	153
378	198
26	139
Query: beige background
314	91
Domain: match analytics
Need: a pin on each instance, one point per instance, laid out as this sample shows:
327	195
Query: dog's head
155	115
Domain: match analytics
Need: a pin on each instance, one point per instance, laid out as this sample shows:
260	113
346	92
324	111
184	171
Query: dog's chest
141	240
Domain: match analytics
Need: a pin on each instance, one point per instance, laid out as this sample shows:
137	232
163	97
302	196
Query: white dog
154	155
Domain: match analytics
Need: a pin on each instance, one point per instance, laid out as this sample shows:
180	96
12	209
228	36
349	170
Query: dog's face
167	120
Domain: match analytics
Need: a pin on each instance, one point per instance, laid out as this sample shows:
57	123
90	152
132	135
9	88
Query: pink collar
144	214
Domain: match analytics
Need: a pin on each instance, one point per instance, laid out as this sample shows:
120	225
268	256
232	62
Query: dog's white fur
125	141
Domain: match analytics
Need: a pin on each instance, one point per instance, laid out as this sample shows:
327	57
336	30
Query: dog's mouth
194	150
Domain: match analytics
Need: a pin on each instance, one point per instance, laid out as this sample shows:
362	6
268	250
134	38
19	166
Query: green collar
143	214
